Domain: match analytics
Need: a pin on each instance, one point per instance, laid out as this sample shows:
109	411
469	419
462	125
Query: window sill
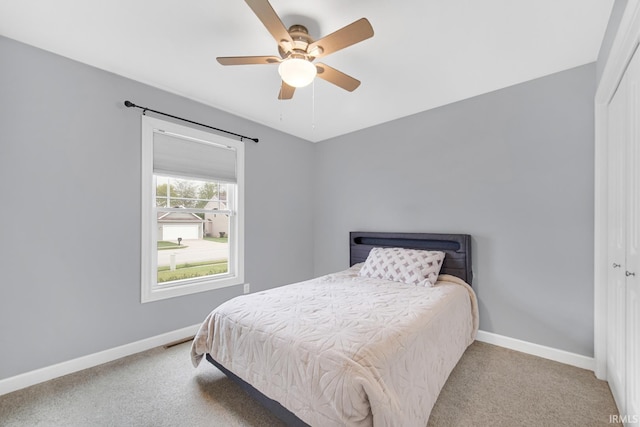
160	293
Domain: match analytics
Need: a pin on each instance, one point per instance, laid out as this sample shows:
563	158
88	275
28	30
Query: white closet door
632	267
616	292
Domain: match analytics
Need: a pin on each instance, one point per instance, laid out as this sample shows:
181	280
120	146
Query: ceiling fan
298	51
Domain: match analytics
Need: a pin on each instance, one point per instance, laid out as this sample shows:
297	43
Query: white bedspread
345	350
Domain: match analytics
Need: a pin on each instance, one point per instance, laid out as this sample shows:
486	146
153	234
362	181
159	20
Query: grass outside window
191	270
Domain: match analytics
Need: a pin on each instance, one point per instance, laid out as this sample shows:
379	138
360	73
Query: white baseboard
37	376
550	353
27	379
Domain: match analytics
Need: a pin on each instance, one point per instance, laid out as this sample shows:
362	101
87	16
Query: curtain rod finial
129	104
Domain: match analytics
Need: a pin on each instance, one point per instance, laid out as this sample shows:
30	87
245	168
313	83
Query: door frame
624	45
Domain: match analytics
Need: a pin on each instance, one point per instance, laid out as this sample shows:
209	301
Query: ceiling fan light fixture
297	72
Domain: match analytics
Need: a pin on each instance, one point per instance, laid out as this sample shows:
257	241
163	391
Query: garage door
186	231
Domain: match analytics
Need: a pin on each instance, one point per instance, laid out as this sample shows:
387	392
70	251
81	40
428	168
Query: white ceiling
424	54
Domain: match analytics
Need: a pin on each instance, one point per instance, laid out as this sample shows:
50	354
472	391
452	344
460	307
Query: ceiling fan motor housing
301	41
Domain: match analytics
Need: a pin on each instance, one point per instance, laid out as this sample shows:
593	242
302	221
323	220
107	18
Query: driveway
197	250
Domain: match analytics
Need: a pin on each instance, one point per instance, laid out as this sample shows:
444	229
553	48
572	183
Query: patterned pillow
412	266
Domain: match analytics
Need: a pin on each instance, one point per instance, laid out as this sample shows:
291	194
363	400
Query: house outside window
192	210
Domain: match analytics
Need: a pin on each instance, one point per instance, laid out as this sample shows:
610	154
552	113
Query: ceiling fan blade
336	77
270	20
246	60
286	91
346	36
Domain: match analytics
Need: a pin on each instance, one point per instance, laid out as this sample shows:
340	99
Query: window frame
150	289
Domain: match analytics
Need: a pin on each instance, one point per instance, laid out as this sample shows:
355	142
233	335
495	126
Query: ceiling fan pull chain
313	105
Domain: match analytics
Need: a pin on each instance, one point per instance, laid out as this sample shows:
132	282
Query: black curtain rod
130	104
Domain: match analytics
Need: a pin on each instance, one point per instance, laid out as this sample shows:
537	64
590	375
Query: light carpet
490	386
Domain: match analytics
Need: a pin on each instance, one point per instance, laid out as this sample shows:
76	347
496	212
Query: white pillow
412	266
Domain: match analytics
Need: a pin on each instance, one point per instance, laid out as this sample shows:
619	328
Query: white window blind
172	152
193	158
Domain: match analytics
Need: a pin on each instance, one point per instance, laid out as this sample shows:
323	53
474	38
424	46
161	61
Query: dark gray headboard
457	248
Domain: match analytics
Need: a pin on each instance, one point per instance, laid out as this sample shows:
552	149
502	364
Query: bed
348	349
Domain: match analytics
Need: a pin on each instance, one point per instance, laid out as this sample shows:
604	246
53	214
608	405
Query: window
192	210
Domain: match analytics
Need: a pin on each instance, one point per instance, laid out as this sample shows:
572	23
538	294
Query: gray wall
513	168
609	36
70	222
